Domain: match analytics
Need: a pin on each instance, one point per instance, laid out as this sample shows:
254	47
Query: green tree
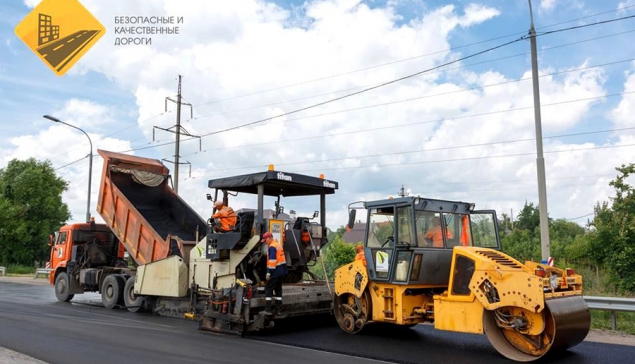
522	245
336	254
528	218
562	234
612	240
31	208
524	242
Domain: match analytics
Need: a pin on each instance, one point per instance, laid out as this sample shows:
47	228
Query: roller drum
567	323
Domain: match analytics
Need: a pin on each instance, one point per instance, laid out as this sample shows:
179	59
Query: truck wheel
133	303
111	291
121	283
62	287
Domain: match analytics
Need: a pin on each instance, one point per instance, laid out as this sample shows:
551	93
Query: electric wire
71	163
409	59
429	150
432	72
398	79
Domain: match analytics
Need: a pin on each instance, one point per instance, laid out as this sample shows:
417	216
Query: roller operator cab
439	261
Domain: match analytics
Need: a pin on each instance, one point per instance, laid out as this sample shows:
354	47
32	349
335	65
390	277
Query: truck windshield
381	227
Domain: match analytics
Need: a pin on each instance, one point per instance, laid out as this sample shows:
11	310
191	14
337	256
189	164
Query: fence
42	271
612	304
3	270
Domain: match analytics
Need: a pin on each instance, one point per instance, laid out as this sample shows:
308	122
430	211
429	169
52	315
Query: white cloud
32	3
622	115
548	5
622	6
241	47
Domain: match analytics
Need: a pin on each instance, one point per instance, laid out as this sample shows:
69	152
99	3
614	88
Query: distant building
355	235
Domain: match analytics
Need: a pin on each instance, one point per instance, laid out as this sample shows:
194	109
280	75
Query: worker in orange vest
360	254
276	269
224	218
435	233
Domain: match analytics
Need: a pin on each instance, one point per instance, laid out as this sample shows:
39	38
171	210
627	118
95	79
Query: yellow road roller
438	261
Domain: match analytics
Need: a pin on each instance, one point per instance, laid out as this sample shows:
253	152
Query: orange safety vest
465	238
436	235
276	266
227	218
361	256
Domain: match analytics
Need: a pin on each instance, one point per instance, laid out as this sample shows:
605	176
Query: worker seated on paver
224	218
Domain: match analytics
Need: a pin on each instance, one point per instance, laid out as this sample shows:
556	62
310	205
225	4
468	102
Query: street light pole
90	165
540	160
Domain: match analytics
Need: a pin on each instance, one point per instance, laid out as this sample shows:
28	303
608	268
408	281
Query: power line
437	71
404	77
465	159
405	59
389	82
580	217
431	150
463	90
402	125
374	87
71	163
588	25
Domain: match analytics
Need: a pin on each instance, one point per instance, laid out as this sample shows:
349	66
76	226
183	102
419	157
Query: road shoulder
11	357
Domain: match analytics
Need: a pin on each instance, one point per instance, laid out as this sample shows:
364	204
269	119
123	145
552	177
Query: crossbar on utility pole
540	160
178	129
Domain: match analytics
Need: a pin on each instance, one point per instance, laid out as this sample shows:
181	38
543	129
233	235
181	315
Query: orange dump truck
144	217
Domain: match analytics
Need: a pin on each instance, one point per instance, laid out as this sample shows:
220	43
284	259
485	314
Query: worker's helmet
265	236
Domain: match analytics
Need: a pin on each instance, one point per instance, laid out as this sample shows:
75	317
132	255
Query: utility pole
178	139
402	192
540	160
178	130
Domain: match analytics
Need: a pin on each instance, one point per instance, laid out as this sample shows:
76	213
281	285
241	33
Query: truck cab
81	247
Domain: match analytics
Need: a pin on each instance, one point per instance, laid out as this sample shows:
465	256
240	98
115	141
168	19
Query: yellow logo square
60	32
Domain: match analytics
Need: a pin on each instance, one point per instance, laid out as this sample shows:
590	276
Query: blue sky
232	49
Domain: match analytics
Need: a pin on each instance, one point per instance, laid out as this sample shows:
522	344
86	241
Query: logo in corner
60	32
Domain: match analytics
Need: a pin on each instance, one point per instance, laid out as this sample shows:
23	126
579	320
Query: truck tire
62	287
112	291
121	282
133	303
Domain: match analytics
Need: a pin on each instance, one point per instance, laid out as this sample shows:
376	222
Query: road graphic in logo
60	32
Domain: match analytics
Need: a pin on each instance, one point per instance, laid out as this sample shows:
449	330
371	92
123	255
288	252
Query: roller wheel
62	287
112	291
352	313
564	323
133	303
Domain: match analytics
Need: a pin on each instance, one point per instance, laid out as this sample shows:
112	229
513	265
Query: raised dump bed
145	213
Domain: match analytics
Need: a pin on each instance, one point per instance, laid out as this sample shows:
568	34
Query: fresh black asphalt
32	322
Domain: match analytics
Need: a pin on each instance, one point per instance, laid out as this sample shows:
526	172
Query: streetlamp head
52	118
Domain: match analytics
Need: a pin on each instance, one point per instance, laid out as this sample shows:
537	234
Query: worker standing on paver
276	269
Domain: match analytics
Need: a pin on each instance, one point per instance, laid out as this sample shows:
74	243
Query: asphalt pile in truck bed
164	225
